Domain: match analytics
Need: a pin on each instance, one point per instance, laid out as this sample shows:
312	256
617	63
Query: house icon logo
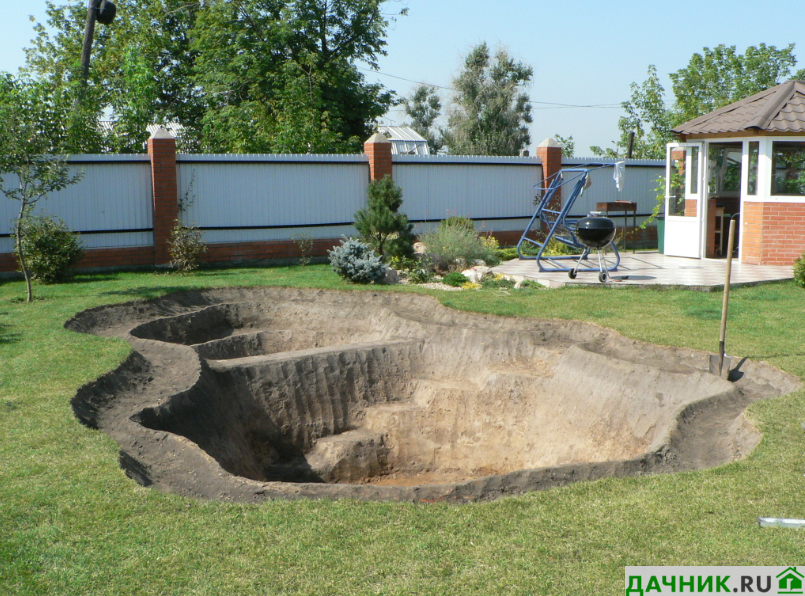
790	581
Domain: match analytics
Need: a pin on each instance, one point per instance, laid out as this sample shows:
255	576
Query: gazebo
744	161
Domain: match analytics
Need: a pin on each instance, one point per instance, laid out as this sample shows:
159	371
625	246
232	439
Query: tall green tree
712	79
423	108
140	70
239	75
34	131
282	75
491	110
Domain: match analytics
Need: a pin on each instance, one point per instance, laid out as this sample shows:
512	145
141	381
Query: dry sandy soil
251	394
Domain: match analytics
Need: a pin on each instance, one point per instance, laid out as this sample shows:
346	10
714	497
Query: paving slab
653	268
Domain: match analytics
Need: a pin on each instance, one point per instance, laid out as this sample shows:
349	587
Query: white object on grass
780	522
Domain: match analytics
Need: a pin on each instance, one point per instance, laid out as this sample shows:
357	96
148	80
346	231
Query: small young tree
34	128
381	226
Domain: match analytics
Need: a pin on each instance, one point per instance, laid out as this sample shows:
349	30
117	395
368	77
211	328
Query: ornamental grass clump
356	262
458	244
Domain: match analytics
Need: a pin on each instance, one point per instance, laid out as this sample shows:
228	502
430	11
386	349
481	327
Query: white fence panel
496	192
272	197
113	196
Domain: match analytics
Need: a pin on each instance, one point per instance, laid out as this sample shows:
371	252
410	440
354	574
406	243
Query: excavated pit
247	394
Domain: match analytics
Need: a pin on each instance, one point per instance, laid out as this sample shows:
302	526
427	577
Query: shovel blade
724	373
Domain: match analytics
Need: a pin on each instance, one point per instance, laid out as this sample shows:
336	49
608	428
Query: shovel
719	363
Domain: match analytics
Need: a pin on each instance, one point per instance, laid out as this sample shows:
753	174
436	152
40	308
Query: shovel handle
725	304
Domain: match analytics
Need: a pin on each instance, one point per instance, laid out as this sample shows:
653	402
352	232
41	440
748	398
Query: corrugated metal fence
240	198
110	205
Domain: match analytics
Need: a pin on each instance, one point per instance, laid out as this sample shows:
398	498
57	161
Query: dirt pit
248	394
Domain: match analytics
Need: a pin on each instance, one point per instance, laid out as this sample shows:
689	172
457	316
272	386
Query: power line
550	105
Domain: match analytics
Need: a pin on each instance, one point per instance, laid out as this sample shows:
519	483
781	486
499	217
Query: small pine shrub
356	262
454	279
186	246
50	248
799	271
380	225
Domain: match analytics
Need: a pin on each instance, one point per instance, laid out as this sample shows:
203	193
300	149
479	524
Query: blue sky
583	52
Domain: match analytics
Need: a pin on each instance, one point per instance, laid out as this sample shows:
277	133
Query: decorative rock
391	277
420	248
472	275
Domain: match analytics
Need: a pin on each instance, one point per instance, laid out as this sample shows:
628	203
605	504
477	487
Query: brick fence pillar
162	151
378	149
550	154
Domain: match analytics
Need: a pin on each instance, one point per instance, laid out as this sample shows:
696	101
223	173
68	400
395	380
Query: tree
712	79
424	108
567	144
238	75
381	225
31	166
282	74
720	76
491	112
140	71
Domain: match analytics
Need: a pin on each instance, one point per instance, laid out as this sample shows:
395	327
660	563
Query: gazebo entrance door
684	183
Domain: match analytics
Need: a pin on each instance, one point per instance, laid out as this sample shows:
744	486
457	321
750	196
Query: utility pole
97	10
89	33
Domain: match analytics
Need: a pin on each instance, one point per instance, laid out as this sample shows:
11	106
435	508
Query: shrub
304	242
50	248
380	225
799	271
456	221
506	254
497	282
454	279
558	249
458	246
186	246
417	271
356	262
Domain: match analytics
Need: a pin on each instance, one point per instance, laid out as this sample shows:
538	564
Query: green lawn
72	523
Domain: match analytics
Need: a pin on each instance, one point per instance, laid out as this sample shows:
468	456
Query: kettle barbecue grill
595	233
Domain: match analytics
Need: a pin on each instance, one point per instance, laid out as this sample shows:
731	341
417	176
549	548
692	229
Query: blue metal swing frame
560	225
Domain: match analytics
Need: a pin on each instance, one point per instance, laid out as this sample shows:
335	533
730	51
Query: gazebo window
788	165
751	183
725	169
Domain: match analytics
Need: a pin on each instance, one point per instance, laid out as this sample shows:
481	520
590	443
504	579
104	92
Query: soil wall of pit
249	394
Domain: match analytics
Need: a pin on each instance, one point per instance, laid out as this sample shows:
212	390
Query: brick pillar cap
162	133
549	142
378	138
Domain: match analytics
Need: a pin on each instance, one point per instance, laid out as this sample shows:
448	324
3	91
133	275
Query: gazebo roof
779	110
